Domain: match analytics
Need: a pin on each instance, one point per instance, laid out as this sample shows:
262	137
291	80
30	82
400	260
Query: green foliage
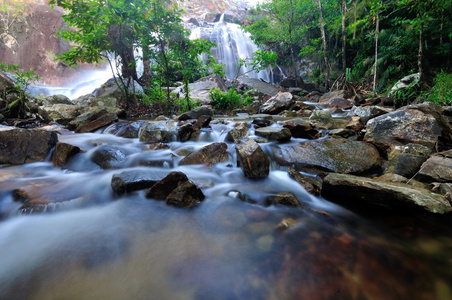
260	61
441	92
406	95
23	78
226	100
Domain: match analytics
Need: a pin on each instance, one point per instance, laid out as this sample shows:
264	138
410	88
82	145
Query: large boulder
369	112
237	133
404	164
56	99
264	88
301	128
403	127
196	113
254	162
62	113
200	89
108	157
92	120
63	152
20	146
354	191
326	98
280	102
332	154
210	154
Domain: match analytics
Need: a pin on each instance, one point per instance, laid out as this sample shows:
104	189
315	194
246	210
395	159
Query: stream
90	243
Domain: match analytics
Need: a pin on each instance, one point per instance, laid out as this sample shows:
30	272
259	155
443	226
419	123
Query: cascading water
91	243
233	44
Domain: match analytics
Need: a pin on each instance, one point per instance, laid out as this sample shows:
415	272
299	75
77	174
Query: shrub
229	100
441	92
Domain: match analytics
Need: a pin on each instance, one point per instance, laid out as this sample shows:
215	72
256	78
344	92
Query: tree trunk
294	64
377	32
420	57
344	48
354	15
325	52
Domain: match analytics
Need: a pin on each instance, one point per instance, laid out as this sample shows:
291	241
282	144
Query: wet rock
405	164
311	184
210	154
20	146
353	191
338	103
332	154
282	101
159	132
185	131
164	187
261	122
390	177
202	122
63	152
327	97
108	157
286	224
301	128
322	119
438	168
403	127
370	112
186	195
92	120
62	113
134	180
126	129
196	113
284	198
279	134
414	149
237	133
254	162
177	190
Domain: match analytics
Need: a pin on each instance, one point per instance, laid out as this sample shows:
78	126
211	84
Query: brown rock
164	187
186	195
255	163
97	120
210	154
63	152
279	134
284	198
310	184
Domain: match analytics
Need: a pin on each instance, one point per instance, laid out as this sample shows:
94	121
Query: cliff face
31	42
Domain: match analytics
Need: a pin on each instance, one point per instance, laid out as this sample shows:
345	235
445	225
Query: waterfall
233	44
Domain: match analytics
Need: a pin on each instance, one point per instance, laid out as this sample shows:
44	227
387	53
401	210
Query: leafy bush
441	92
228	100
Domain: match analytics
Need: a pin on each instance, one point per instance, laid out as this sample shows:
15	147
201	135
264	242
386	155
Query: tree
116	30
325	49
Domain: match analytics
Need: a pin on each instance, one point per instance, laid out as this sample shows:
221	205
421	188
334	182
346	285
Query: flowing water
92	244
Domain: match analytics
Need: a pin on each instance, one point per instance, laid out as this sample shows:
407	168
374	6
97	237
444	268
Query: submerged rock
210	154
284	198
177	190
333	154
310	184
20	146
354	191
254	162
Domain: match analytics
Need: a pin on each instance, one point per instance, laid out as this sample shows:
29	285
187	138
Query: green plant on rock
441	92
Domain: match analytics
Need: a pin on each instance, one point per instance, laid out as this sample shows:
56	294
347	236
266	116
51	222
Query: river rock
327	97
63	152
414	149
185	195
332	154
301	128
20	146
133	180
355	191
196	113
108	157
177	190
311	184
56	99
210	154
402	127
266	89
370	112
438	168
159	132
254	162
338	103
92	120
405	164
62	113
126	129
284	198
273	106
237	133
280	134
185	130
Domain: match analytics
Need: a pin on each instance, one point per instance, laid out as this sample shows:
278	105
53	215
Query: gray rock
133	180
280	102
210	154
254	162
414	149
108	157
311	184
237	133
301	128
62	113
56	99
196	113
403	127
323	119
159	132
92	120
352	191
369	112
20	146
332	154
405	164
200	89
327	97
438	168
280	134
264	88
405	82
